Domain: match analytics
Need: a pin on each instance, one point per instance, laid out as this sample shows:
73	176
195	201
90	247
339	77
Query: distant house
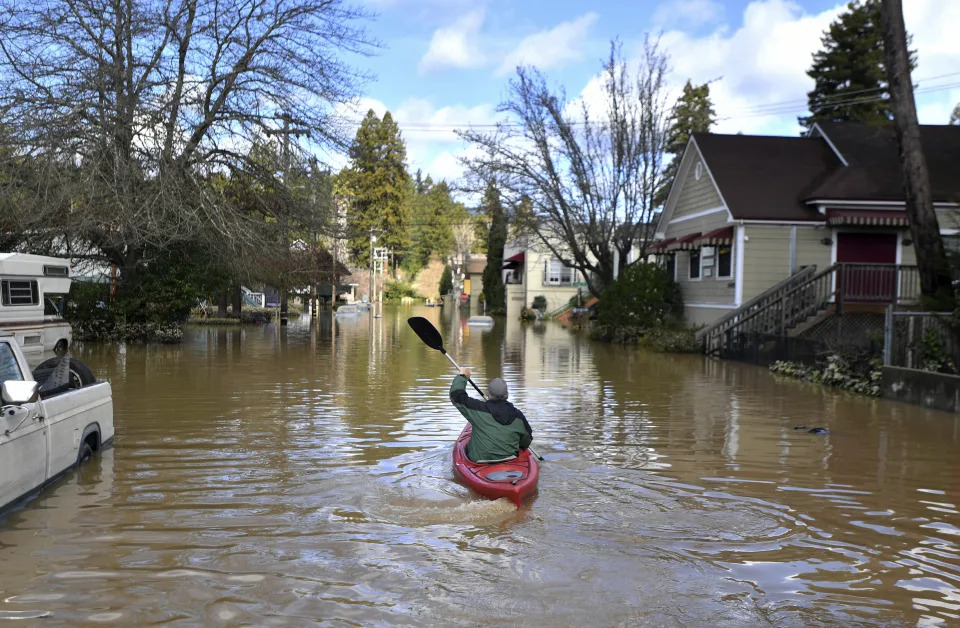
531	270
746	213
473	275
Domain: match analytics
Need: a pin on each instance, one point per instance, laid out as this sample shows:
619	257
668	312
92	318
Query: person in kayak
500	430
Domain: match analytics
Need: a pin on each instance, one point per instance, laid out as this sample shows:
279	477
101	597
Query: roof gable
684	177
874	172
766	177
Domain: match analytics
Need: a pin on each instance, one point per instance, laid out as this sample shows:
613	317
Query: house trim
778	223
879	204
712	306
741	239
700	214
689	151
816	127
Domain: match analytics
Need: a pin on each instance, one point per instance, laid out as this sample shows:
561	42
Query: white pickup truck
47	426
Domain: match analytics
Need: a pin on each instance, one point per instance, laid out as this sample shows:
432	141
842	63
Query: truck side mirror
17	392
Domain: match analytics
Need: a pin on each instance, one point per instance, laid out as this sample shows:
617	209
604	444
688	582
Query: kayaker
500	430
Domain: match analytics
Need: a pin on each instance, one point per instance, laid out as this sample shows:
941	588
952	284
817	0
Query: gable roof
767	177
873	156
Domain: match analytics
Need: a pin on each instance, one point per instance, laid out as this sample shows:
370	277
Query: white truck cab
45	429
33	290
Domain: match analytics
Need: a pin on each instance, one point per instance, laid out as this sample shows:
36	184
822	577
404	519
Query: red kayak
514	479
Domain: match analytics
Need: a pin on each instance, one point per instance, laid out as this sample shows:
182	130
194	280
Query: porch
807	298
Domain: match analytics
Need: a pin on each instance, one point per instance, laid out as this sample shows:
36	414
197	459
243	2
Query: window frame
699	265
6	297
13	361
729	255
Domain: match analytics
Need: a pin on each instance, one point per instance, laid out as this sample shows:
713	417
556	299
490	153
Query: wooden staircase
806	299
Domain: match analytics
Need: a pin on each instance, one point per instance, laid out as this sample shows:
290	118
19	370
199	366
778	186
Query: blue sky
446	63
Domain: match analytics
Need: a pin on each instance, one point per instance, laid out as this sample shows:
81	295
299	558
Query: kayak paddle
431	337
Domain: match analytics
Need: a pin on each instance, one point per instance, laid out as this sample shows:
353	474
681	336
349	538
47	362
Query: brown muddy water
266	476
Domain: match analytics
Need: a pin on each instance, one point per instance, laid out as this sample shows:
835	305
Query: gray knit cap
497	389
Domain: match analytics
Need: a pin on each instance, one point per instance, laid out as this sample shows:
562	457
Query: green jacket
500	431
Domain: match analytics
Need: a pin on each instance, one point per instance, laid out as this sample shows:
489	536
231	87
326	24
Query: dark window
695	264
19	292
671	266
56	271
724	261
53	304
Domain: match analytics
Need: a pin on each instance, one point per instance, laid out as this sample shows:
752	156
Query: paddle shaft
452	361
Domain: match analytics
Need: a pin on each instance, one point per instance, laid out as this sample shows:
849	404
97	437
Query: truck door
23	439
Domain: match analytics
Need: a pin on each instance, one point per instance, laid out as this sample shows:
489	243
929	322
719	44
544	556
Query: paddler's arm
467	406
525	439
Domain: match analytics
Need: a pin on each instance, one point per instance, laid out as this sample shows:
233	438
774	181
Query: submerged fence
921	340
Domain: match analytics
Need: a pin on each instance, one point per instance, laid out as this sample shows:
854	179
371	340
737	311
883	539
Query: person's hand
465	373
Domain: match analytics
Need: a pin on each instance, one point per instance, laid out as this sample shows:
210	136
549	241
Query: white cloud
455	46
551	48
688	13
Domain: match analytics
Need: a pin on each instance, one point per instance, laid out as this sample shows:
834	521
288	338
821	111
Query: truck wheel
86	452
61	347
80	373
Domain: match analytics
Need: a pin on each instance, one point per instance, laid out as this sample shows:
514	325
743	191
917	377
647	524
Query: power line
766	109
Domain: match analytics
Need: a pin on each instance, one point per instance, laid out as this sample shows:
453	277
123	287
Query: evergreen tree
849	72
433	213
693	113
493	289
955	116
378	183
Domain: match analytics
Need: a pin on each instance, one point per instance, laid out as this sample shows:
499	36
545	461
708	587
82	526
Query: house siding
766	259
696	196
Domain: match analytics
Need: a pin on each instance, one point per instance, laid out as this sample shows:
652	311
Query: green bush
396	290
527	314
839	372
643	296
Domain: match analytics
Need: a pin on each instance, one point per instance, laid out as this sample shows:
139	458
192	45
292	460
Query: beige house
747	213
530	270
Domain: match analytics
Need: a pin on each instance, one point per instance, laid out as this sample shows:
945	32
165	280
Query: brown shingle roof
874	171
766	177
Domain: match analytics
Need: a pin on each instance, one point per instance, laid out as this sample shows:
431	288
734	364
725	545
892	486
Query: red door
869	271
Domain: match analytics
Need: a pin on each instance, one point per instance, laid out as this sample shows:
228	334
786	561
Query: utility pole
286	132
373	239
935	277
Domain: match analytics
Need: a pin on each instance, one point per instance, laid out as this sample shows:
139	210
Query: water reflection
286	474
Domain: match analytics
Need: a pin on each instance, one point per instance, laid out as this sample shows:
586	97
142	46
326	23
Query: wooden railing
805	294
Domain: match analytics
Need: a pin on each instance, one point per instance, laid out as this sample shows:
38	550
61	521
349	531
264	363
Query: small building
531	271
747	214
473	275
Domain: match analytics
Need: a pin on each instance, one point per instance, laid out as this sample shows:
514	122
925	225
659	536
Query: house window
699	172
724	261
19	292
556	274
695	264
671	267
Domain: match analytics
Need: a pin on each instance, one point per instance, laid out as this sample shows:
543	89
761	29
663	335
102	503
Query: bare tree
590	177
127	113
935	277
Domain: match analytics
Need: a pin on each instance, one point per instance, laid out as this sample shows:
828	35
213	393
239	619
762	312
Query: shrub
540	302
838	372
527	314
396	290
643	296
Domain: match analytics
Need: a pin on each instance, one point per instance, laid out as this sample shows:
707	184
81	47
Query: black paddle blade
427	332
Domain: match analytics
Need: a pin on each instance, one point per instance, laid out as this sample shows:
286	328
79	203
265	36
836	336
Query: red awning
660	246
867	218
717	237
514	261
685	243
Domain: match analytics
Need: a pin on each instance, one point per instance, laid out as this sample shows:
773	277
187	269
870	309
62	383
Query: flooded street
268	476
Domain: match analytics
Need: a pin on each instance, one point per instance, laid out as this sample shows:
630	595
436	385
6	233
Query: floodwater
292	476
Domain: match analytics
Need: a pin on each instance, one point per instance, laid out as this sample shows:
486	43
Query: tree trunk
237	300
935	277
